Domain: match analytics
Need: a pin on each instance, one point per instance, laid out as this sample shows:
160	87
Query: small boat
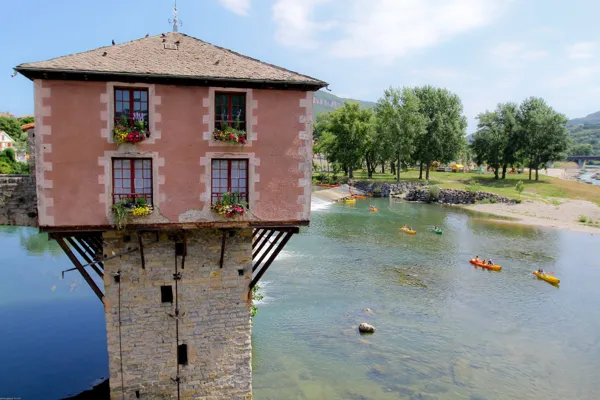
350	201
373	209
360	197
437	231
548	278
406	230
482	265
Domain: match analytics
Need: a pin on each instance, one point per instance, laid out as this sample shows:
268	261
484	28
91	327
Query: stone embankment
453	196
386	189
18	200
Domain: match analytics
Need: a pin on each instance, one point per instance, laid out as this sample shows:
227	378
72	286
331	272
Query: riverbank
564	216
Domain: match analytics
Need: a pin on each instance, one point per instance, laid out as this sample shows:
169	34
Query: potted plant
126	131
229	134
134	206
230	205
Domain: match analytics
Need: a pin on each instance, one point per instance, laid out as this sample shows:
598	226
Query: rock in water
366	328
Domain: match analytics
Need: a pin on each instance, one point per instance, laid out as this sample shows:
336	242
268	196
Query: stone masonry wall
18	201
214	316
18	197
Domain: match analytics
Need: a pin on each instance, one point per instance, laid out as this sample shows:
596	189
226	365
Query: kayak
408	231
373	209
357	196
482	265
548	278
350	201
437	232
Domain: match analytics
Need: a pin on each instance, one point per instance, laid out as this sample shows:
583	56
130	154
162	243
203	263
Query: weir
171	194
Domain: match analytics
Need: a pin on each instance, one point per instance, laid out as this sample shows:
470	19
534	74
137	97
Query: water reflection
52	331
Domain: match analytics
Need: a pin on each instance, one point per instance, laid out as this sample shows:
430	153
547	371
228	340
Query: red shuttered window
230	109
132	103
132	178
229	176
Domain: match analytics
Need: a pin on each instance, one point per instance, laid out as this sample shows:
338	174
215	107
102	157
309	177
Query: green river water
445	330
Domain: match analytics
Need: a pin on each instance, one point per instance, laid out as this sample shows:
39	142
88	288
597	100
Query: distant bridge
581	160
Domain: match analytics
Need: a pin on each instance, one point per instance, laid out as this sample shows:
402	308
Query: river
445	330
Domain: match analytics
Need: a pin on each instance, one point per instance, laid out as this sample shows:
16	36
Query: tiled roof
192	58
28	126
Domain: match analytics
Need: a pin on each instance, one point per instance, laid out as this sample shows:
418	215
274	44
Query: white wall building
5	141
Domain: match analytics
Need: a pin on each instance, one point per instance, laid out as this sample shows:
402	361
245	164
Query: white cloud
510	53
386	29
239	7
577	76
295	24
582	50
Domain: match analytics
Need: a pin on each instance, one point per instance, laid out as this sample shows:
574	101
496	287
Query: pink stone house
172	100
183	89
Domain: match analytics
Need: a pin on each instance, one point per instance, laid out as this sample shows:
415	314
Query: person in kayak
476	258
490	262
540	271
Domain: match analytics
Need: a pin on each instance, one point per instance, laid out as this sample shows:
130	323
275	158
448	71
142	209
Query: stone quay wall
200	337
453	196
385	189
18	200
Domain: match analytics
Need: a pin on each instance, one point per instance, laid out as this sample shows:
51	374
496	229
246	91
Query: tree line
12	127
424	125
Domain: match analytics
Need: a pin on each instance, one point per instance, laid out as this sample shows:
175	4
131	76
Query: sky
486	51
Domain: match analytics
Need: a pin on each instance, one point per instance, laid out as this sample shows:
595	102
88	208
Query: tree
496	141
320	125
400	124
581	150
443	136
26	120
11	126
543	132
345	136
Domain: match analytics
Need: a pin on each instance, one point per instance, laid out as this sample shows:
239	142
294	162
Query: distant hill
586	130
591	119
325	102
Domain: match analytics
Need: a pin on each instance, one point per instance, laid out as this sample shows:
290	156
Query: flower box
130	207
126	131
230	205
230	135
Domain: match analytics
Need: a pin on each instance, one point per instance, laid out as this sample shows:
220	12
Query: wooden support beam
96	255
84	255
265	241
262	233
280	247
184	249
141	244
223	247
268	250
65	247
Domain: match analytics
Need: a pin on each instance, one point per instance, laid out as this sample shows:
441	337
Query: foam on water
319	204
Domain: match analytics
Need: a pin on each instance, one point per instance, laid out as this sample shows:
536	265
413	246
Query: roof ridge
195	59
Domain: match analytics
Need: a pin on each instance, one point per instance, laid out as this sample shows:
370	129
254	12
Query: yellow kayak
408	231
548	278
350	201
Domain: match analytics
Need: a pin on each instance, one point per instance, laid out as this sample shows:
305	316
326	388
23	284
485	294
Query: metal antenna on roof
175	21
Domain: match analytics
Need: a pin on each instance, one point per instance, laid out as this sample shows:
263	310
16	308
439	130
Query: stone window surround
209	119
206	174
106	179
108	115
